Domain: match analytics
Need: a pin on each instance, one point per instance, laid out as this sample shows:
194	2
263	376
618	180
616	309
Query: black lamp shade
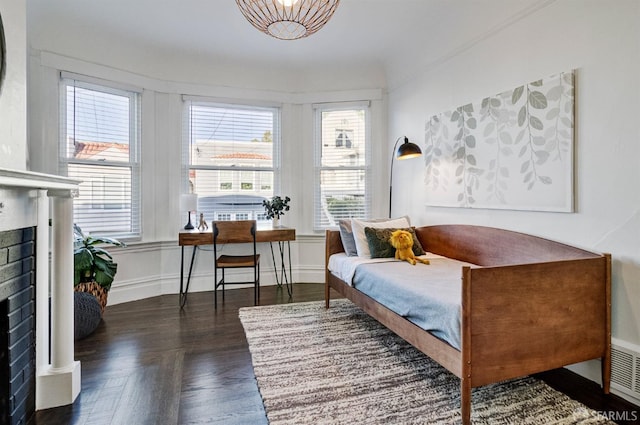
404	151
408	150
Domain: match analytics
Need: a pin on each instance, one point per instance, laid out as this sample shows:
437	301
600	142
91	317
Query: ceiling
397	37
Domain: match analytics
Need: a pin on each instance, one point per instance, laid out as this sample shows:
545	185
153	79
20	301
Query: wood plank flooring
151	363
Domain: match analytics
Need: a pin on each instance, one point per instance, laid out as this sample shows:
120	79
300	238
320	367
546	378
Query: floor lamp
406	150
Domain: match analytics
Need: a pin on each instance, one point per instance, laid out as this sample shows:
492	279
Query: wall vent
625	368
637	375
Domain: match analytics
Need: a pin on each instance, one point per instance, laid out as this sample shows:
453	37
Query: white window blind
342	164
232	158
99	144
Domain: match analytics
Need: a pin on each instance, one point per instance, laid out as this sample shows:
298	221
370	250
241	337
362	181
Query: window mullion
229	168
101	163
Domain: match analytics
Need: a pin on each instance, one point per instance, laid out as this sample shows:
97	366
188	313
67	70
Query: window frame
330	140
236	173
133	165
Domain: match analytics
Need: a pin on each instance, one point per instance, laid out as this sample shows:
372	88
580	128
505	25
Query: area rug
339	366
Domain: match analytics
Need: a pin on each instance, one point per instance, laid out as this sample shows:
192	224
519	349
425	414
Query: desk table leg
183	293
290	279
283	278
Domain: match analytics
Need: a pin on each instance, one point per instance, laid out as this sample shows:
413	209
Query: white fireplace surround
25	200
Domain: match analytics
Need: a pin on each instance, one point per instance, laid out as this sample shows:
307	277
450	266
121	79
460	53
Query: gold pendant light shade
288	19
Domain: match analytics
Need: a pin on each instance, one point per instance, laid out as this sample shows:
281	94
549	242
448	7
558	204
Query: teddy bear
402	241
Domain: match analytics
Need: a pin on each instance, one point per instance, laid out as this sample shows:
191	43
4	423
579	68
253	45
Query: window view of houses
232	178
104	201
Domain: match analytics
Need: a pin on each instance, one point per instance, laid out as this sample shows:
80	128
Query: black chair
238	231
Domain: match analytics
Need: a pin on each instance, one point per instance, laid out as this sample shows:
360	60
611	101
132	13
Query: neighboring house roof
97	150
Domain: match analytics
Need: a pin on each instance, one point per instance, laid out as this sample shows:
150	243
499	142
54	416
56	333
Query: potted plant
94	269
276	207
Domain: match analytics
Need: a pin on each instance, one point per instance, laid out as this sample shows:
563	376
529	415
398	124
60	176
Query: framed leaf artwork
513	150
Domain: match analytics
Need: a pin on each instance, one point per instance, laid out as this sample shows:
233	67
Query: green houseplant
93	266
276	207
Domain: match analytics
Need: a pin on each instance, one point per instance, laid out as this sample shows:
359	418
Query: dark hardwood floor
151	363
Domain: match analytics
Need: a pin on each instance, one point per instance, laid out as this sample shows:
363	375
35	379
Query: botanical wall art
513	150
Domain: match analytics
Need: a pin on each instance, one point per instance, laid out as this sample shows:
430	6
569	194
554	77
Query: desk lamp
188	203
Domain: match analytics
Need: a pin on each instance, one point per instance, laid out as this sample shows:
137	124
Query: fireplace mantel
31	180
25	199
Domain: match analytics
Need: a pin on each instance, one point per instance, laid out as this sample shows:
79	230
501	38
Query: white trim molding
24	200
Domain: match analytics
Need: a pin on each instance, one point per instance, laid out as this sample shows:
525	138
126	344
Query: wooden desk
263	234
281	235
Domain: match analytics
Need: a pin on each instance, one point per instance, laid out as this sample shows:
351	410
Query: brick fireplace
17	326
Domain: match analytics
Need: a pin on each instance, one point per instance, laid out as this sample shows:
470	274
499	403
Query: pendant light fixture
288	19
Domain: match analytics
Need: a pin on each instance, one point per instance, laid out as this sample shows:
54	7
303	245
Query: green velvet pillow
379	245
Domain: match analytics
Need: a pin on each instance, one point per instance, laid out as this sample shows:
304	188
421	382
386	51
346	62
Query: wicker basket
96	290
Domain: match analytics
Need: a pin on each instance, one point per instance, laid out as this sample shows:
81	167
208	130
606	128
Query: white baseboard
153	286
122	292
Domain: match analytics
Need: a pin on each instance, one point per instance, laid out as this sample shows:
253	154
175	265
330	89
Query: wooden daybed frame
534	305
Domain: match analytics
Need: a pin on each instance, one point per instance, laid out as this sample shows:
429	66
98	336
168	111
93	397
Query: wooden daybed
533	305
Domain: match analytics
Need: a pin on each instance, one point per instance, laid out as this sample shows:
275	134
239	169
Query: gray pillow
346	235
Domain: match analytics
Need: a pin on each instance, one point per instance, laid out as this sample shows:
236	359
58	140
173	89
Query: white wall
601	40
13	92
